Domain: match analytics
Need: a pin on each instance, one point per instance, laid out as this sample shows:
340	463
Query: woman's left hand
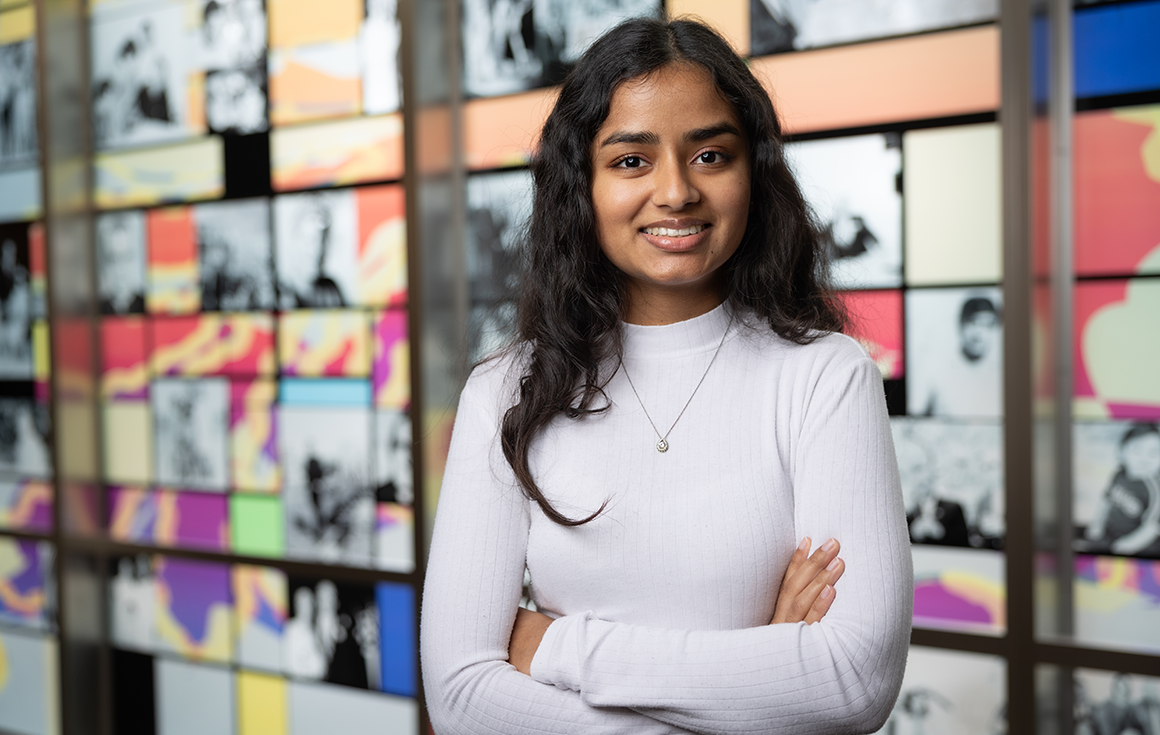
526	636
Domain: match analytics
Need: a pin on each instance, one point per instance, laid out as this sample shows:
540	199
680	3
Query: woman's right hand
807	589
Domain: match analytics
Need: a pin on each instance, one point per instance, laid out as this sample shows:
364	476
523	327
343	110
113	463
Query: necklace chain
662	444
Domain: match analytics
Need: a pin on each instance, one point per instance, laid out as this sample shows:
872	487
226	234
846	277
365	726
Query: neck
650	309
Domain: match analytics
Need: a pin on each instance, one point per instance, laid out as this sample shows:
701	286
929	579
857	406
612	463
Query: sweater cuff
557	660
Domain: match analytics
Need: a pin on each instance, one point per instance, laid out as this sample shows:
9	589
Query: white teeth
669	232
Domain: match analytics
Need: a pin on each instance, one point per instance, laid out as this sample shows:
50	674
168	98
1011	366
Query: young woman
677	414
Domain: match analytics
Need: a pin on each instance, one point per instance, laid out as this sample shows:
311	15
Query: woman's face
670	189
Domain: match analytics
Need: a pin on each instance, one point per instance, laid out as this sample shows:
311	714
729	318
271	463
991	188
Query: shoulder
826	353
493	385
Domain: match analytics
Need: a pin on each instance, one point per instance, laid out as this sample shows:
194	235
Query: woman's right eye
629	162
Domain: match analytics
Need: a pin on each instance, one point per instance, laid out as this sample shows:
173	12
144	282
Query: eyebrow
650	138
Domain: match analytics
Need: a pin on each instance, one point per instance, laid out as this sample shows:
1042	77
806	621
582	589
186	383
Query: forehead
672	99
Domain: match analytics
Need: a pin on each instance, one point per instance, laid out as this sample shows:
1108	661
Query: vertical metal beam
1015	117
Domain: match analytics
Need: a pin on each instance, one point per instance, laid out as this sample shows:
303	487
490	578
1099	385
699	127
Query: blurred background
249	250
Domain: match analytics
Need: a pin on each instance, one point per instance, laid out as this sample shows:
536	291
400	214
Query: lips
676	236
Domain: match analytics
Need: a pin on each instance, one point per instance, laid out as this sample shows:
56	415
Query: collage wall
253	333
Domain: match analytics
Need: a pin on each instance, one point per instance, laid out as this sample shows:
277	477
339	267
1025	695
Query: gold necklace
662	444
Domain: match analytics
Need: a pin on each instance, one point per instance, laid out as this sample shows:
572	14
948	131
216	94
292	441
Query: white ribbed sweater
663	601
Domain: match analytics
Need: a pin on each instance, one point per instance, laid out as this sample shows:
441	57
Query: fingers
813	568
825	592
807	589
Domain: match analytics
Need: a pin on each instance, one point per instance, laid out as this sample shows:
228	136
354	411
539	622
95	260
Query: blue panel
325	392
1116	49
397	635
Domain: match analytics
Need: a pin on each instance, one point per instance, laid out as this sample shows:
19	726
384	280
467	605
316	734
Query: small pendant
662	446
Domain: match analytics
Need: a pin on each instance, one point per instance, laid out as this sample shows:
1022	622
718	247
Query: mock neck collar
700	334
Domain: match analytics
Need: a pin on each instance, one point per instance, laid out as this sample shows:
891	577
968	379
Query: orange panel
728	17
933	75
503	131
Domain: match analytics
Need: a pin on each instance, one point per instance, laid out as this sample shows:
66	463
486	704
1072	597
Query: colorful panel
1117	601
79	506
1117	188
952	481
329	499
954	352
314	62
258	525
193	699
128	448
172	252
26	583
335	153
132	603
29	694
316	236
72	346
397	622
951	195
193	615
15	304
254	462
37	259
123	370
261	600
1116	347
504	131
394	537
322	709
192	438
41	360
1116	501
20	194
392	365
960	589
876	322
169	518
262	707
950	692
120	264
178	173
213	344
852	185
237	267
26	505
382	246
325	343
1115	50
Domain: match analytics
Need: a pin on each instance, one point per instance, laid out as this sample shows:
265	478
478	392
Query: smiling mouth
671	232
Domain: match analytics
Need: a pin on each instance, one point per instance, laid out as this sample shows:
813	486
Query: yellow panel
17	25
302	22
76	444
182	172
913	78
128	428
728	17
261	704
349	151
4	4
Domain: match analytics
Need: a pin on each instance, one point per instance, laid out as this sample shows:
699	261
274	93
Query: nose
675	188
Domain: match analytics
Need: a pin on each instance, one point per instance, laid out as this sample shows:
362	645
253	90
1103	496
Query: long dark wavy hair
571	297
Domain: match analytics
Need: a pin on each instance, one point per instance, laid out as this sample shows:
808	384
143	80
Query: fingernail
833	565
827	592
830	545
805	544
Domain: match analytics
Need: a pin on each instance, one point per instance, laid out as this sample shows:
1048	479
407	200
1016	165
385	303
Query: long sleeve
841	675
473	585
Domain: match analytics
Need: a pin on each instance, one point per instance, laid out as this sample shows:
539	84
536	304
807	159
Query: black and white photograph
378	54
1113	703
121	262
852	185
1116	502
15	303
131	602
788	25
142	63
954	352
332	634
394	481
316	249
236	257
515	45
24	429
236	100
233	34
192	432
327	491
950	693
498	208
952	481
18	134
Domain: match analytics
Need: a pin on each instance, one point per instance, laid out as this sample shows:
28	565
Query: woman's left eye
711	157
